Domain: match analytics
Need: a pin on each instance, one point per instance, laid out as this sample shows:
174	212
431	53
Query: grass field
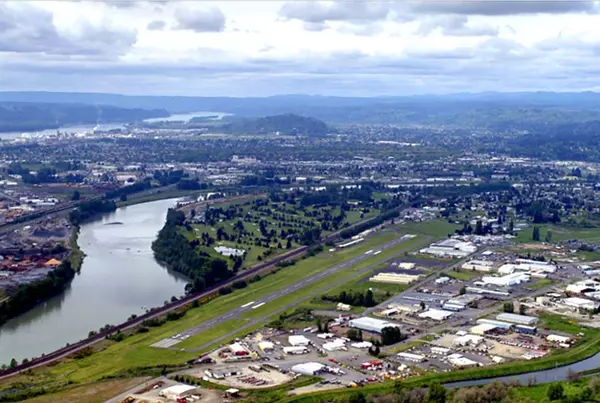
215	332
560	233
463	275
436	228
545	282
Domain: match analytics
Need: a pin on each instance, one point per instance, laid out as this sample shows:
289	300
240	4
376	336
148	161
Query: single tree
436	393
555	392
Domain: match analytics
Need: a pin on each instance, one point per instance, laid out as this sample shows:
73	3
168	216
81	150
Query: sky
261	48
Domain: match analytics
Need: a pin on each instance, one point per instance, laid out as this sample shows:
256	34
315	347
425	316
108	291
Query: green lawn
545	282
463	275
215	332
436	228
559	233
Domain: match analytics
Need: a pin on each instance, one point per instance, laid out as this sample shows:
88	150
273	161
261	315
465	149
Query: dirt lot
92	393
240	381
510	352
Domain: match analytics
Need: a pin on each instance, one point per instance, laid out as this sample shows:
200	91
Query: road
237	312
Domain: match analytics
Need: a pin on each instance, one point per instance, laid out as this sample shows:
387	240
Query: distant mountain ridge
488	109
286	124
29	116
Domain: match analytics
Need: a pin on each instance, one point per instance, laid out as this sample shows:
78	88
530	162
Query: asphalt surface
238	311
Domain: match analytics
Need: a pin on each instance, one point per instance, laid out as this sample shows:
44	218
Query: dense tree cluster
172	248
26	296
357	298
391	335
88	209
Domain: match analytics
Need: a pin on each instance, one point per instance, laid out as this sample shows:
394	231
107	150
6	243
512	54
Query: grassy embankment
130	356
586	347
559	233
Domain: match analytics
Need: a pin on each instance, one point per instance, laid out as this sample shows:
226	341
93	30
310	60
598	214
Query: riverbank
76	255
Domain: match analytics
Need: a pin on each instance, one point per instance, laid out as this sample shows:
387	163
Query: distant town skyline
262	48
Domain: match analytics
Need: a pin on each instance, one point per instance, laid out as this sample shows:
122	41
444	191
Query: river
119	277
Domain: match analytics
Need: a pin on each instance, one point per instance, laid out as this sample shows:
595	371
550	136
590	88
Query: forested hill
21	117
288	124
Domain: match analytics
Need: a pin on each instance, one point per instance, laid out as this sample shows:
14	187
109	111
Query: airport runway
171	342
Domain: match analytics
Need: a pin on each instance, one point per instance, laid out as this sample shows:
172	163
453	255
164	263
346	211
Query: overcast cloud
246	48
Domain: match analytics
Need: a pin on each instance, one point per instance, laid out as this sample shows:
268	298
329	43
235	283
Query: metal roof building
518	319
371	324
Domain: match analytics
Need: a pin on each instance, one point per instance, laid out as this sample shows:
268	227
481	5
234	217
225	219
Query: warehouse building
411	357
435	314
497	323
298	340
177	392
483	328
581	303
295	350
506	281
460	361
478	265
394	278
517	319
309	368
371	324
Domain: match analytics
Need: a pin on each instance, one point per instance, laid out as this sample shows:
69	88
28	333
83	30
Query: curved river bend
119	277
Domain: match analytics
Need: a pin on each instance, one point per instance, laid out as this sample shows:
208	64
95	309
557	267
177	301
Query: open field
560	233
93	393
463	275
215	332
437	228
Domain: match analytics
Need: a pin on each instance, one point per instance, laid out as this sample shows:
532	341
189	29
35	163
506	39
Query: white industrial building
411	357
295	350
506	281
370	324
478	265
450	248
298	340
177	392
460	361
582	287
440	350
468	340
308	368
555	338
335	345
435	314
497	323
518	319
394	278
581	303
362	345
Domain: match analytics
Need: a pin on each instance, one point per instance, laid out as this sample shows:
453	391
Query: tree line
173	249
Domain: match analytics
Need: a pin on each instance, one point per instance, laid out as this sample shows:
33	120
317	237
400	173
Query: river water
119	277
